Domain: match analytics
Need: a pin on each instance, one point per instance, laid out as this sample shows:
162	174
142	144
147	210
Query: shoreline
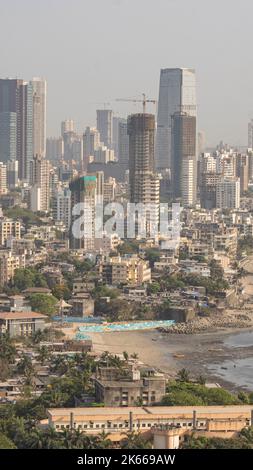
199	351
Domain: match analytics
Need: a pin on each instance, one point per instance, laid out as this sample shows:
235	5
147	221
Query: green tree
6	443
183	375
134	440
61	291
43	303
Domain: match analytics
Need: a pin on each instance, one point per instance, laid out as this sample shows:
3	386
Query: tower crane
144	101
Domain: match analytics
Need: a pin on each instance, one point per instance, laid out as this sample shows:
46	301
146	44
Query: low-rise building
21	323
130	270
129	387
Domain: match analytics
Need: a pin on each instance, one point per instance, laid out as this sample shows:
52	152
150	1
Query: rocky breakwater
207	324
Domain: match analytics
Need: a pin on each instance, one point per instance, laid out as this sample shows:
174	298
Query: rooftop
20	315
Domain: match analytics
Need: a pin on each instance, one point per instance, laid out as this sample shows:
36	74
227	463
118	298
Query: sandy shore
199	351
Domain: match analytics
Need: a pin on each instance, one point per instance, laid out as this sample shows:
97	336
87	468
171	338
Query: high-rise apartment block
183	162
123	143
83	201
105	126
16	124
228	193
67	126
40	179
250	134
39	116
144	183
54	148
177	94
3	178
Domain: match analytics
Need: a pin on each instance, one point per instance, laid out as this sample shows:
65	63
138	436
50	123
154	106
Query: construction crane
104	104
144	101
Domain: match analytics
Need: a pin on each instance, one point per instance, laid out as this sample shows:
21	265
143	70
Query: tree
183	375
7	348
61	291
28	277
134	440
43	355
6	443
43	303
153	288
216	271
152	256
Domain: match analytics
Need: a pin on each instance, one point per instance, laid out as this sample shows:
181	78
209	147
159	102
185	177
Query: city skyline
204	43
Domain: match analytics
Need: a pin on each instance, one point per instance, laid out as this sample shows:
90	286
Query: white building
40	180
3	178
177	93
62	207
228	193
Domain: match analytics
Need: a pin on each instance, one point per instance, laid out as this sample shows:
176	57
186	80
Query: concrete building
208	190
16	124
144	183
250	134
128	387
54	148
91	143
227	421
61	206
109	190
39	116
129	270
40	179
242	171
83	191
3	178
21	323
123	143
9	262
183	158
12	174
228	193
177	93
67	126
9	229
105	126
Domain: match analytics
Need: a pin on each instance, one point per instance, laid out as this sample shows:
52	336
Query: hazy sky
98	50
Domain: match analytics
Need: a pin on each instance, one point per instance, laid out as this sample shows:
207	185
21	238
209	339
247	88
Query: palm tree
125	355
76	439
103	441
134	356
135	440
183	375
43	355
35	440
52	438
201	380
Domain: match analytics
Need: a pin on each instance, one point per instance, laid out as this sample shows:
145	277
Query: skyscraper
177	93
16	124
105	126
39	116
144	184
40	192
83	191
250	134
91	142
184	162
67	126
123	143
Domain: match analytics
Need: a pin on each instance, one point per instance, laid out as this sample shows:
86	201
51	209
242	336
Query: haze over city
93	53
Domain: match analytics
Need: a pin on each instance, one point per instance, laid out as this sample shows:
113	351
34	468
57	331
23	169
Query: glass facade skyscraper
177	93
